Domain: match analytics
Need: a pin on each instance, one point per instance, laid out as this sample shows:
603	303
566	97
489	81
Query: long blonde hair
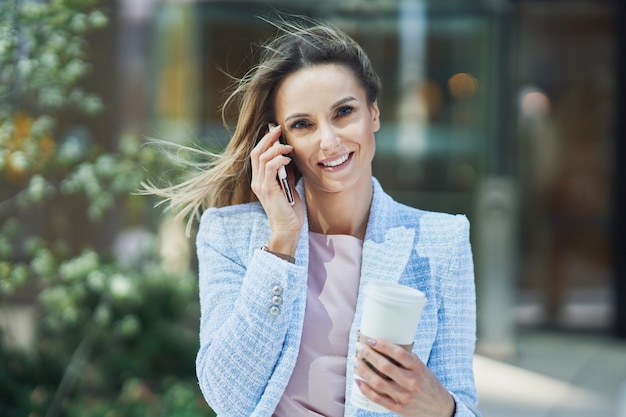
225	178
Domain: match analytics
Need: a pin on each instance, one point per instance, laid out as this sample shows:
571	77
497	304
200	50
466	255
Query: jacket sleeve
452	354
246	307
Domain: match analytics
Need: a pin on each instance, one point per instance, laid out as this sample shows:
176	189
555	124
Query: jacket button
274	311
277	300
277	290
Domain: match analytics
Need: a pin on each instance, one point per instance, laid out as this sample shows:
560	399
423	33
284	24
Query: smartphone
282	178
284	181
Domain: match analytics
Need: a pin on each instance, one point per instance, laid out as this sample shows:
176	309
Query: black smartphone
282	173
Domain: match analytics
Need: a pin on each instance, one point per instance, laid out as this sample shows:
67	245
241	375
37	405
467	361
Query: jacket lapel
387	247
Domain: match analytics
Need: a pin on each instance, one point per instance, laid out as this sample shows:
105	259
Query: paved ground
555	375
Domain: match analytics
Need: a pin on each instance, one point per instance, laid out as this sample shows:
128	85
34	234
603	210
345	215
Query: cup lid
393	292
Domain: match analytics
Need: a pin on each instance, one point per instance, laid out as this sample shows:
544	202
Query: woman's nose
328	137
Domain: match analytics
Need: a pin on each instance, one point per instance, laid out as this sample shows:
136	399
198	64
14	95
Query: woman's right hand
285	220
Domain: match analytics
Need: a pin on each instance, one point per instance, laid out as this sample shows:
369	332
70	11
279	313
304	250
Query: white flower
42	125
37	187
105	165
92	105
75	69
79	22
120	286
97	19
79	267
57	41
43	263
19	161
52	97
25	67
71	150
96	280
49	59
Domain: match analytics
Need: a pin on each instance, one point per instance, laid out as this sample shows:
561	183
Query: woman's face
325	116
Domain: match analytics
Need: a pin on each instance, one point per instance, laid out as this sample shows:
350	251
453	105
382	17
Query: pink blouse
318	383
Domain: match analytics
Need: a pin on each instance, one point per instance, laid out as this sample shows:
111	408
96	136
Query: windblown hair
225	178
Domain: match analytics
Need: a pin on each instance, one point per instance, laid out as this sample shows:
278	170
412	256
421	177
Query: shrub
116	333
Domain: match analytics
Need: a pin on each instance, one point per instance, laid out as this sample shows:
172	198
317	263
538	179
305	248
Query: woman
280	283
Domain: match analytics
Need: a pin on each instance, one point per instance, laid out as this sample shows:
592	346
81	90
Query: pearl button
277	300
274	311
277	290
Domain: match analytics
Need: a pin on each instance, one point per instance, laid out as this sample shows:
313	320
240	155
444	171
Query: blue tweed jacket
252	302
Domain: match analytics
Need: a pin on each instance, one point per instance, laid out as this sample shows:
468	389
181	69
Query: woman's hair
225	179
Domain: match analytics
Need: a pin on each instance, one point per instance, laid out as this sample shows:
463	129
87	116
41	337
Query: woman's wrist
451	411
283	244
281	255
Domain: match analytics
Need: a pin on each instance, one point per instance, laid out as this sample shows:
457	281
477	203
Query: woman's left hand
407	388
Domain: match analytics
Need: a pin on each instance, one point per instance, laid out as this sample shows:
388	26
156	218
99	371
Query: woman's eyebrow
295	116
333	106
343	101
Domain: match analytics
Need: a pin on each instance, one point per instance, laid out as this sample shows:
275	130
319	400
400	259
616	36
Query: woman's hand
407	387
285	220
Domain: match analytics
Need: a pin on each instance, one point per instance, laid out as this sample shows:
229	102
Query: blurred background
511	112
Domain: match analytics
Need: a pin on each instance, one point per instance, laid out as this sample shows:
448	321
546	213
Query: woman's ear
375	116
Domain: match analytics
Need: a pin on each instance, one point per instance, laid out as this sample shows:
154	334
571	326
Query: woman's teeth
336	161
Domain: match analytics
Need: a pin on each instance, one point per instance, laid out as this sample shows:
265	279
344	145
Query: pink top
318	383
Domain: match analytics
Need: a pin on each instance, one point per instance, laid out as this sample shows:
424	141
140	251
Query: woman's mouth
336	162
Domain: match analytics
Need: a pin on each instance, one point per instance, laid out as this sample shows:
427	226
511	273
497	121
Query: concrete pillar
495	245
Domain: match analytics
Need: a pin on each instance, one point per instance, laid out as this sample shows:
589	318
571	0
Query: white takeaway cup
391	312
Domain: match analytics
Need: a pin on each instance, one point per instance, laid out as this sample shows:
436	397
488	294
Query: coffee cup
391	312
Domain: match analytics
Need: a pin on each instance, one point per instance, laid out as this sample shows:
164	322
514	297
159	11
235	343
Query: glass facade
565	83
436	64
471	91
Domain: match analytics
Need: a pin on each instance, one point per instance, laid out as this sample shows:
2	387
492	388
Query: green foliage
42	54
113	338
174	399
26	381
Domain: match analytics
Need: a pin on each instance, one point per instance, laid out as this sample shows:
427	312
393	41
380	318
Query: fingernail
274	128
357	382
371	342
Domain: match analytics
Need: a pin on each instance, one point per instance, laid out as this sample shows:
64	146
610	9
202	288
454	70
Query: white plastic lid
391	292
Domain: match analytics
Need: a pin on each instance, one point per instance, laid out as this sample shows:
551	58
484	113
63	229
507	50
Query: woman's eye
344	111
300	124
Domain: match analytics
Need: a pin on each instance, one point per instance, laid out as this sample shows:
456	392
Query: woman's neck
341	213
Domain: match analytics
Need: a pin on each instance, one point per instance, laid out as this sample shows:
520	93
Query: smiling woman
281	284
332	135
